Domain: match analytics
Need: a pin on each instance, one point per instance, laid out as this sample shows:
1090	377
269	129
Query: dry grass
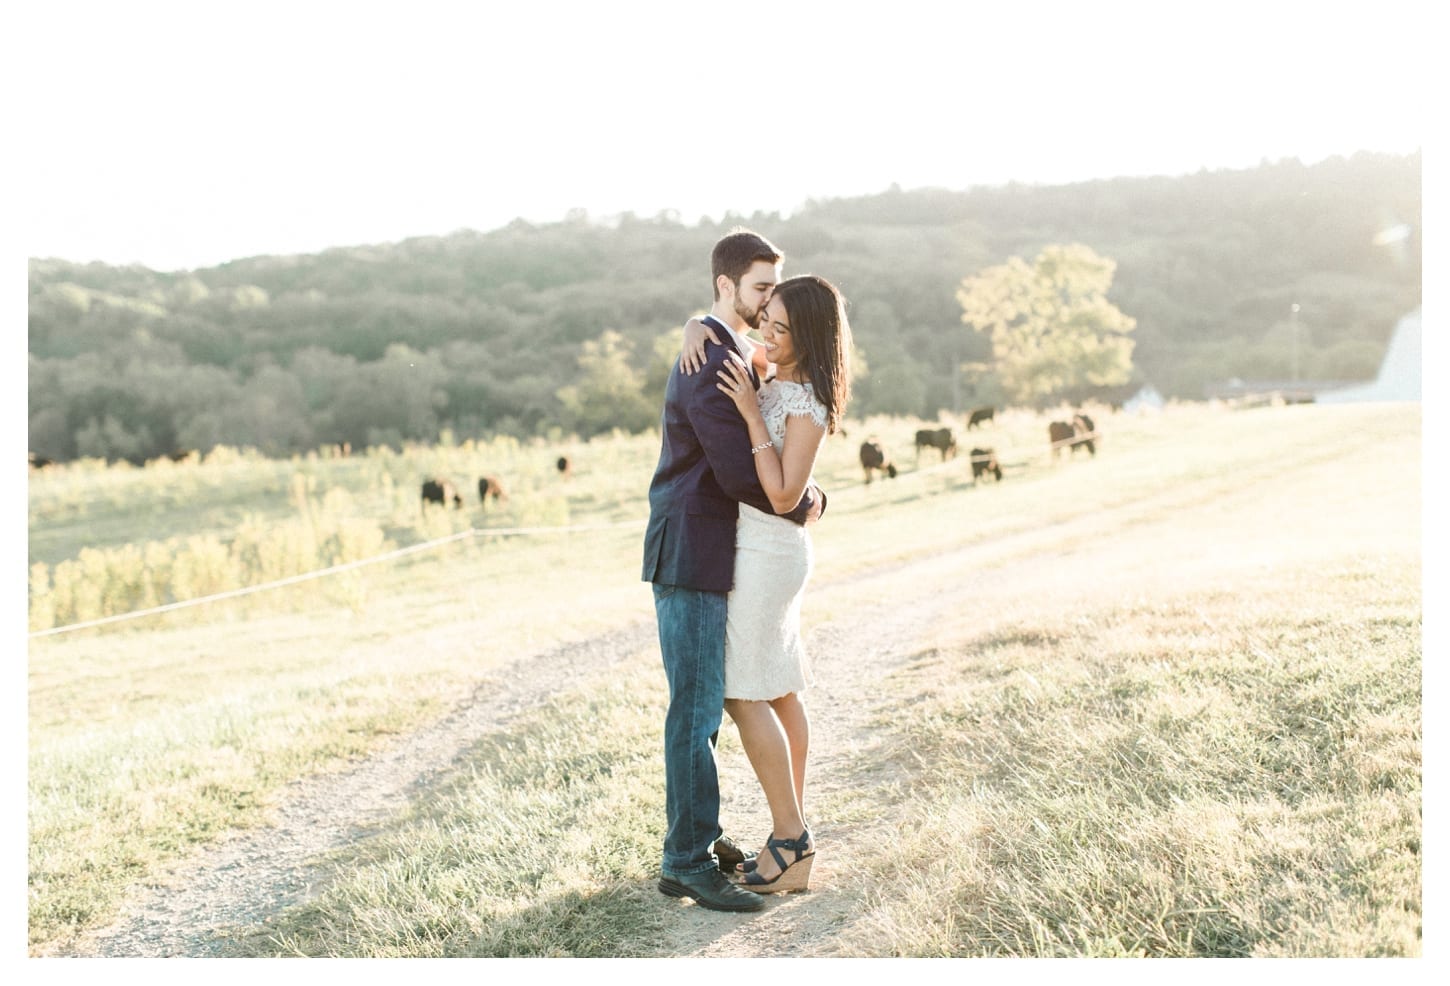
1165	702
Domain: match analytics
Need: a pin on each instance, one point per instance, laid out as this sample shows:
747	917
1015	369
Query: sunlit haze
185	135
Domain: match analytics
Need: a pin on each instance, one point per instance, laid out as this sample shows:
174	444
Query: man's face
754	291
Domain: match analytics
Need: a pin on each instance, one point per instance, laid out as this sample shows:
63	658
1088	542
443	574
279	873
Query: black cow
984	463
441	491
940	439
40	461
873	457
979	415
1085	431
489	486
566	468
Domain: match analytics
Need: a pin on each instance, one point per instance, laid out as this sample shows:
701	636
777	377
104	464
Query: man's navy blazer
705	471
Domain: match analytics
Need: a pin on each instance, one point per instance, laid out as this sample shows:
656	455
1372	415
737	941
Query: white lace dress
764	657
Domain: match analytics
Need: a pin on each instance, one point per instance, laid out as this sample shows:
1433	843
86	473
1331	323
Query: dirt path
258	873
881	620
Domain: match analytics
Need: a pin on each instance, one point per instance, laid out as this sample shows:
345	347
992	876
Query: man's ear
725	286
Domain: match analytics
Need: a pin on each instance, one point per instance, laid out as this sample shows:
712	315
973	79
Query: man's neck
726	313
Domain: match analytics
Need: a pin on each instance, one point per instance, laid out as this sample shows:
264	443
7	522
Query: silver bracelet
760	448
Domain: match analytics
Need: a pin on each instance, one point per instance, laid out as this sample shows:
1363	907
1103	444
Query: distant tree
895	385
271	414
388	401
1052	327
608	392
108	438
664	350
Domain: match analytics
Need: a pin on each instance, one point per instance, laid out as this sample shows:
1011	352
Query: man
705	470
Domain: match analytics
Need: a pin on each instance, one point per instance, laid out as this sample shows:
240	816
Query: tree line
571	327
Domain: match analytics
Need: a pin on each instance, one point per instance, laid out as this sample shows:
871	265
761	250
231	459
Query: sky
184	135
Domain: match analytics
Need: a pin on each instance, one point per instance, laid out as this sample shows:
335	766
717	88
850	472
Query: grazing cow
873	457
979	415
1085	431
984	463
489	486
940	439
40	461
1059	433
441	491
181	455
566	468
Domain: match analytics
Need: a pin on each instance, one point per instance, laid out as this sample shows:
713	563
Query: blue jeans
692	643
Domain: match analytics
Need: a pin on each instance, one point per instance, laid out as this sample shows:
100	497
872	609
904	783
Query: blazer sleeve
726	441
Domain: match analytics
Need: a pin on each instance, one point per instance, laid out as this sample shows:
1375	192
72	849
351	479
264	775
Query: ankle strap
797	846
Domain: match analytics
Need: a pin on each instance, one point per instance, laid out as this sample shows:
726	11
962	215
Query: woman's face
775	333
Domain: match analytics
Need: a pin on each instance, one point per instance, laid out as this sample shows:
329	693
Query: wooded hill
570	327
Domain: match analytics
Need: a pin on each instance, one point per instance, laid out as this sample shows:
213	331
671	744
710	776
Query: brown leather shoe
729	854
709	888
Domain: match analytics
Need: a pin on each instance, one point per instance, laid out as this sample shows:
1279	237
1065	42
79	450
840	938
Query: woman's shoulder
800	399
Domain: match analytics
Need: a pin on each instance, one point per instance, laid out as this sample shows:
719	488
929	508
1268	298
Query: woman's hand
736	384
692	355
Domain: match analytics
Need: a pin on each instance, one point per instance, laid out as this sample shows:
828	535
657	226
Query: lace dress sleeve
780	400
802	401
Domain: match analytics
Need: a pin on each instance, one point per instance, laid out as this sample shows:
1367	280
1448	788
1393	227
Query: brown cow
489	486
1079	434
1059	433
979	415
873	457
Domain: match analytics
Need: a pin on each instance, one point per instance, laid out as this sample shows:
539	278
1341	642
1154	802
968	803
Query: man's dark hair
736	252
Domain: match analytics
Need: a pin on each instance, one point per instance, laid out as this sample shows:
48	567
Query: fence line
333	570
437	542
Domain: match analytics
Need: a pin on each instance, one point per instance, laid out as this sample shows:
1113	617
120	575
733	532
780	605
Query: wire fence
946	463
332	570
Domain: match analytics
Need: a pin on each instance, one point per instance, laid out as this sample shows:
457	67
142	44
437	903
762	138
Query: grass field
1164	701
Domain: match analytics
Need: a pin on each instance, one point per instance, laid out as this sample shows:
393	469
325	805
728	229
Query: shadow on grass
623	919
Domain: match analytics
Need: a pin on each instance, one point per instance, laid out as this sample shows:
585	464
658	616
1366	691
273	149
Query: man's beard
751	316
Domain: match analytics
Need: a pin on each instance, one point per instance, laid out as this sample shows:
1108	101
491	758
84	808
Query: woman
807	339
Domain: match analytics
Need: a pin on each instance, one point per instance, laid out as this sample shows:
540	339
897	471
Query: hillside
567	328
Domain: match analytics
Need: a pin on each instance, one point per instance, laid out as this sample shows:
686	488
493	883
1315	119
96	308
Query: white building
1147	399
1400	371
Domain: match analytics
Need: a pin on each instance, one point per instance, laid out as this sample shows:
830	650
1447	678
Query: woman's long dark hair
822	339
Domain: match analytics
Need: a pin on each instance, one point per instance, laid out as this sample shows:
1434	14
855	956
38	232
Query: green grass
1187	724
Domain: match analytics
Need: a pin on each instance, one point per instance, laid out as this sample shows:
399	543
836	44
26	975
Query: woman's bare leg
791	712
764	739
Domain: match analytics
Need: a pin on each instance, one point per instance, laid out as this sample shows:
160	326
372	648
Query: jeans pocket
663	592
